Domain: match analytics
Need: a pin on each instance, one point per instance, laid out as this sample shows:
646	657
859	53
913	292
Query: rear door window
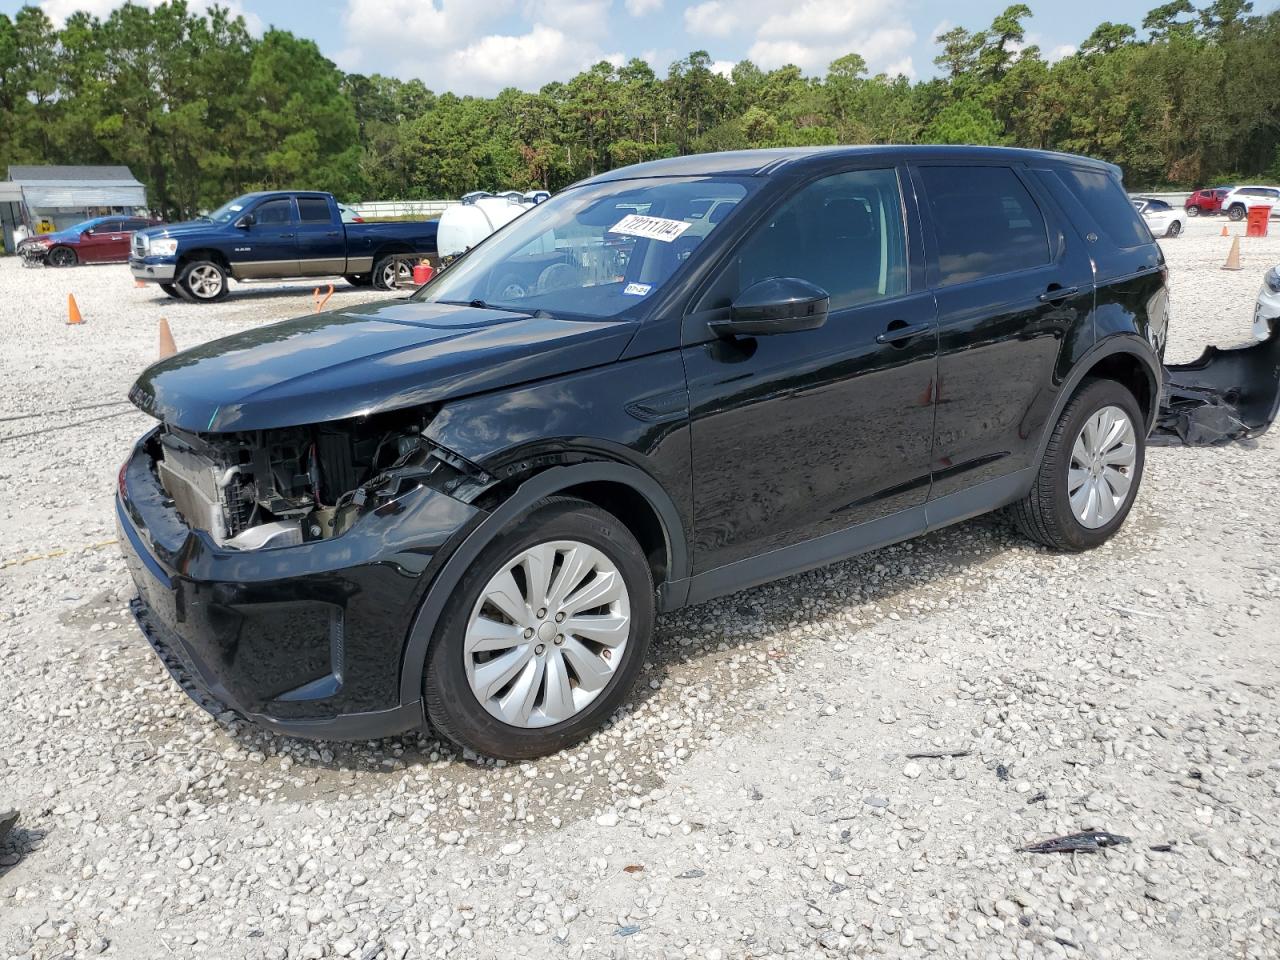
985	221
1106	201
313	210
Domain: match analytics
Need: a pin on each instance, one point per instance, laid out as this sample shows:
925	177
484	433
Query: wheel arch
627	492
203	253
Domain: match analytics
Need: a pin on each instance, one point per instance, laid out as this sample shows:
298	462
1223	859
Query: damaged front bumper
307	639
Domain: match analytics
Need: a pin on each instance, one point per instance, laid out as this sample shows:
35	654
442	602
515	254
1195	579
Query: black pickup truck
275	235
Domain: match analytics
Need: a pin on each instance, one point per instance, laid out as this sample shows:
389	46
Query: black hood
364	360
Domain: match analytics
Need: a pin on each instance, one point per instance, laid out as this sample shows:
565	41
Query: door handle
896	334
1058	293
333	233
286	236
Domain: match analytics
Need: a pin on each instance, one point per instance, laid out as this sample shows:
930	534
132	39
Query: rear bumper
155	271
305	640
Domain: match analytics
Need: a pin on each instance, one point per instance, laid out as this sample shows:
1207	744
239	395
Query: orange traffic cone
73	312
167	347
1224	231
1233	258
139	284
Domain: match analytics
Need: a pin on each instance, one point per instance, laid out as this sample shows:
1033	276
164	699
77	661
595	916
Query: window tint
843	233
1157	206
1106	202
986	222
313	210
274	212
136	224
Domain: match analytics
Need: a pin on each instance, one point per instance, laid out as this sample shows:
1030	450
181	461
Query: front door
322	245
268	247
802	434
1013	286
100	245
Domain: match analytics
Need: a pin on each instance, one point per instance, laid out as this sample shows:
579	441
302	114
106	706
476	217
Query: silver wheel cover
1103	459
204	282
547	634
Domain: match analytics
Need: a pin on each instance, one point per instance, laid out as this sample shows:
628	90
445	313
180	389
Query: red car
1206	201
100	240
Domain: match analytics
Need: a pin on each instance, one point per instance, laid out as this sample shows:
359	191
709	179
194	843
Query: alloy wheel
1102	466
61	257
547	634
204	282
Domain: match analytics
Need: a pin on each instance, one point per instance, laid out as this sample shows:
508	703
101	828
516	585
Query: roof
756	163
72	174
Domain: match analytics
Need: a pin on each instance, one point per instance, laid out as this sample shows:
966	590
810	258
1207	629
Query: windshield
596	250
230	210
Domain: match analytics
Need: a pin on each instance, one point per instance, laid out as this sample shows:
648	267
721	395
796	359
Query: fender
545	484
1128	343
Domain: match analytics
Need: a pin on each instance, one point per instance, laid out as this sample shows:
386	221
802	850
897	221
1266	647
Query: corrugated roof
62	174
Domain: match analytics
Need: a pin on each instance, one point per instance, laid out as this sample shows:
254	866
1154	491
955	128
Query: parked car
100	240
1162	219
467	508
1205	201
1266	314
1240	200
275	235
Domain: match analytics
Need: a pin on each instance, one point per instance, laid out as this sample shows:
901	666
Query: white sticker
637	289
654	228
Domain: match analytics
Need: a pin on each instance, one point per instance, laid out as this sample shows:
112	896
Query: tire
359	279
562	527
202	281
1236	212
1193	211
1047	514
172	291
390	274
61	257
1175	229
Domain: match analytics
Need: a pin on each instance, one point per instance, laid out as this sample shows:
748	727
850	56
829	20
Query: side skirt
787	561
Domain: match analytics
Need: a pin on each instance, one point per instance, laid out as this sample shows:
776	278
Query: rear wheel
1193	211
544	636
1090	473
390	274
1236	212
62	257
203	281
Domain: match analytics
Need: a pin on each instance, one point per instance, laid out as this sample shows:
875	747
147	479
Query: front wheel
1236	212
1174	230
544	636
203	281
62	257
171	290
1193	211
1090	473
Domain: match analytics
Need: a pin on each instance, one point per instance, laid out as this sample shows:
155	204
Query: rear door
322	247
1011	291
269	247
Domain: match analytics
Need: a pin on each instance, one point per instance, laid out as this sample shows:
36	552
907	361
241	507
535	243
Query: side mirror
89	233
777	305
245	222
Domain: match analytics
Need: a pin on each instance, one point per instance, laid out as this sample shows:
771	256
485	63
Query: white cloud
723	67
59	10
638	8
526	61
576	17
713	18
1060	51
904	68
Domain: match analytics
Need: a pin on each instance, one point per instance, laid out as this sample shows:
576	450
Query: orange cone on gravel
167	347
73	312
1233	258
139	284
1225	233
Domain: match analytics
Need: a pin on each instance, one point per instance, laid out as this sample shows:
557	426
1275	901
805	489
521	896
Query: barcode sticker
654	228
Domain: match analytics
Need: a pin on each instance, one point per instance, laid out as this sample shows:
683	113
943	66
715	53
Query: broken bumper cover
304	640
153	269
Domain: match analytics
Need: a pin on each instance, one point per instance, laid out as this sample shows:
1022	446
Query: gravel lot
755	799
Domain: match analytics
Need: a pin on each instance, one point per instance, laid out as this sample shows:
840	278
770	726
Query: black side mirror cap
776	305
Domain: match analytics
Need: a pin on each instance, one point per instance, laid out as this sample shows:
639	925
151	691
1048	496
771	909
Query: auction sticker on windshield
653	228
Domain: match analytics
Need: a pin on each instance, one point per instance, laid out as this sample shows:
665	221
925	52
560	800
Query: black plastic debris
1090	841
1222	396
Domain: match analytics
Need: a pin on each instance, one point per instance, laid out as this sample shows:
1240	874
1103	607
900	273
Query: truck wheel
203	281
171	290
62	257
358	279
1090	472
390	274
1236	212
544	636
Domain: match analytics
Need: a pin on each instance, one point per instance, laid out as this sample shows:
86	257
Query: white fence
404	208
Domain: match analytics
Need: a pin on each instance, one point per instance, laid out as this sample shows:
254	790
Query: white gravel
755	798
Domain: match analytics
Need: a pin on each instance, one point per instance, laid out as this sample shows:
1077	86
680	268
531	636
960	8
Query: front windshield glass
229	210
593	251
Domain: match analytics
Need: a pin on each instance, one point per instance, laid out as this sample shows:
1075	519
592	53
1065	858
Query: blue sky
480	46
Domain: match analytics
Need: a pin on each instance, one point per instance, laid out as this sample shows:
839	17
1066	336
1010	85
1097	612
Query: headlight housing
163	247
1272	279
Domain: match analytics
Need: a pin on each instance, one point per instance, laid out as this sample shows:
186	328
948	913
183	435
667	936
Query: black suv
666	383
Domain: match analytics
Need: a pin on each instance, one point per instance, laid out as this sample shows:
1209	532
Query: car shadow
20	843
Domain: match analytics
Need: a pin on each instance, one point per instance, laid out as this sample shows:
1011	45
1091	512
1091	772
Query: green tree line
201	110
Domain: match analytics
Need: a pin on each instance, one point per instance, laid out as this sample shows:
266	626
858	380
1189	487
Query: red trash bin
1258	222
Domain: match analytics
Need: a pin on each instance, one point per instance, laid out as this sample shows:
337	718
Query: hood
364	360
58	236
184	228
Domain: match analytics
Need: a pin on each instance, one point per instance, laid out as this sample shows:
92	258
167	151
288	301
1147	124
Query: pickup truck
275	235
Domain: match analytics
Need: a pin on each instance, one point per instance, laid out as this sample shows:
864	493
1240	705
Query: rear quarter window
1106	201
